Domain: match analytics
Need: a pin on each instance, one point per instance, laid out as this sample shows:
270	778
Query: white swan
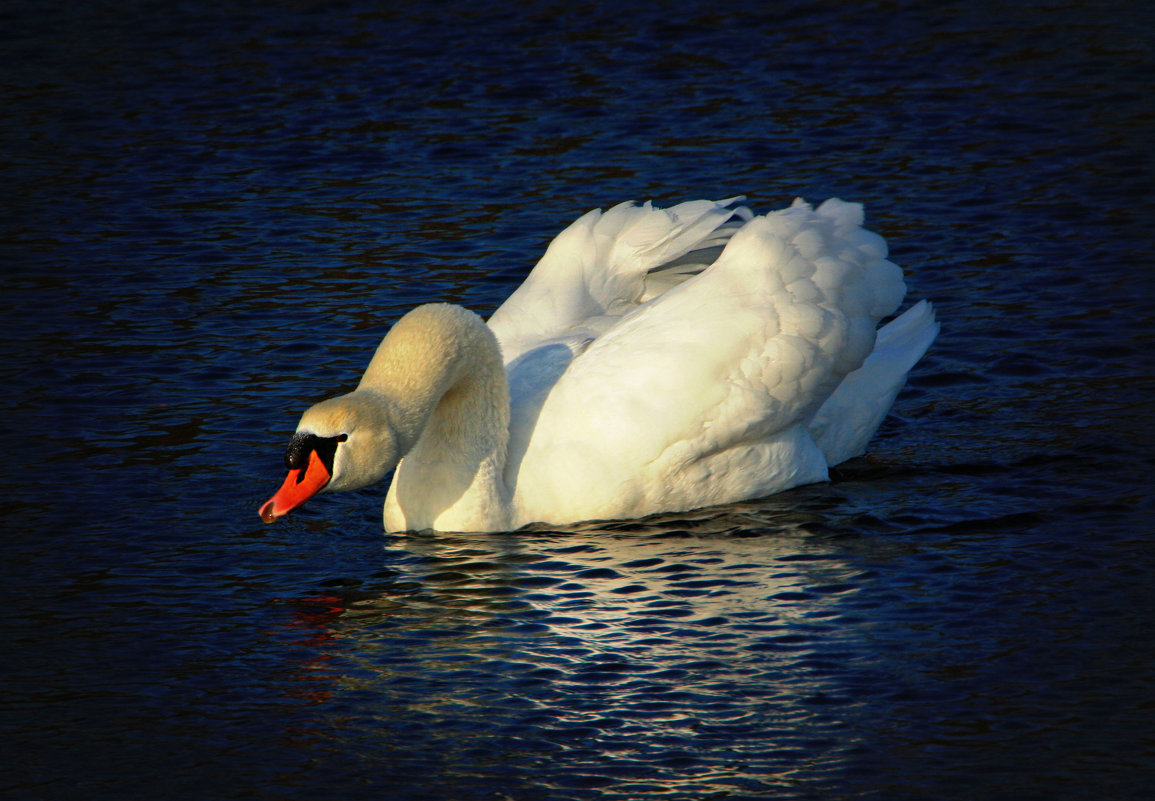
653	360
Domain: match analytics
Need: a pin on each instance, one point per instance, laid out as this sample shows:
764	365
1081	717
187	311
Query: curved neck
441	372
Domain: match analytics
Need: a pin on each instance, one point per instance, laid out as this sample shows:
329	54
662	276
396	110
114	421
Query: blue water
213	211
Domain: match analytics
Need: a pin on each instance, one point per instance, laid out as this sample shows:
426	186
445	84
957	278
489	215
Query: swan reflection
678	634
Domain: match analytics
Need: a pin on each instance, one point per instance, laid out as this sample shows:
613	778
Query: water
214	212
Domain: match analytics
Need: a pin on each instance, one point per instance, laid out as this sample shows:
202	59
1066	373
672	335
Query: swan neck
434	353
442	370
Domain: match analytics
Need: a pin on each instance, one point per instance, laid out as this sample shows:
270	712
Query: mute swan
653	360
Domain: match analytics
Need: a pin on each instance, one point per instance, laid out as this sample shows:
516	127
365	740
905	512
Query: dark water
213	211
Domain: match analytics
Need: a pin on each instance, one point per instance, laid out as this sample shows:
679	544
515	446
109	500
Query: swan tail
848	419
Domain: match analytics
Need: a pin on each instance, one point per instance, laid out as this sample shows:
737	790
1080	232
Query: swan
653	360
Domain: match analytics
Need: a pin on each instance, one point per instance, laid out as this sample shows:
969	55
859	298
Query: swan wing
702	395
605	264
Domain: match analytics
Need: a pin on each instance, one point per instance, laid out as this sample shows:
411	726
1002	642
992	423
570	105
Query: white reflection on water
691	650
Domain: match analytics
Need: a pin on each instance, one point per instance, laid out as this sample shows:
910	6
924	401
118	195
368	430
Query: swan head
343	443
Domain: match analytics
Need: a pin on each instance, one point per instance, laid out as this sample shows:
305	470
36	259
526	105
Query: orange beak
299	486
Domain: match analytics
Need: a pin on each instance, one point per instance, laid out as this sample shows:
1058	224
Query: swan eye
301	445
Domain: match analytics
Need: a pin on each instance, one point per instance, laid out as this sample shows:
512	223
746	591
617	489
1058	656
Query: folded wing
705	392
